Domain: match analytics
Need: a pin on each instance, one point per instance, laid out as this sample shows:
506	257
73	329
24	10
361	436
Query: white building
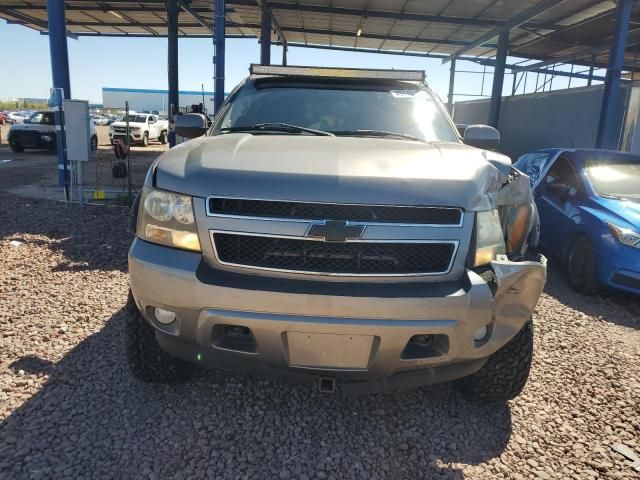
152	100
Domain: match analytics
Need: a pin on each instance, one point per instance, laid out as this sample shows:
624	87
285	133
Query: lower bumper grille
357	258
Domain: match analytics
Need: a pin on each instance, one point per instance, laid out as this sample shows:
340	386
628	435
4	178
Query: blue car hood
626	209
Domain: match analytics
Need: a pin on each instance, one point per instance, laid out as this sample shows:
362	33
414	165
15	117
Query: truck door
153	126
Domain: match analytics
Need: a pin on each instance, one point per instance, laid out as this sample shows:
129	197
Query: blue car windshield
615	179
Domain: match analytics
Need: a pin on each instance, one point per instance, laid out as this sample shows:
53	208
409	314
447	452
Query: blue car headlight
625	236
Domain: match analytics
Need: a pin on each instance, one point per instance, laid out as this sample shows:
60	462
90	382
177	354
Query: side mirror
191	125
482	136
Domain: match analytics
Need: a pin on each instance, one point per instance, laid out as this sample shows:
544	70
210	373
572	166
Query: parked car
332	227
589	206
39	132
142	128
101	120
16	117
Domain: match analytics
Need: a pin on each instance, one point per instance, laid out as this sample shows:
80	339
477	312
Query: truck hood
340	170
38	127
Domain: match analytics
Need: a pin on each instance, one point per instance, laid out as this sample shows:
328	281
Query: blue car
589	206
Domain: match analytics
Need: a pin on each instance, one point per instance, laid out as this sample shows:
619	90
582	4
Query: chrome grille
351	258
444	216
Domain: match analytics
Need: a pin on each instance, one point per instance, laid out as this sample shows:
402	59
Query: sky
142	63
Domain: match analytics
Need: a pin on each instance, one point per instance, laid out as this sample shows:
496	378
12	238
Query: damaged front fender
519	286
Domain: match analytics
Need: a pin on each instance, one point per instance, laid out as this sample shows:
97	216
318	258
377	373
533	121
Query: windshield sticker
404	93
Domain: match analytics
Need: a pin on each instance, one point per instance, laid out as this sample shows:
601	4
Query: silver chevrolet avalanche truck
331	226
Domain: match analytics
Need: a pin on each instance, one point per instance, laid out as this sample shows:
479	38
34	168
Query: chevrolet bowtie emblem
335	231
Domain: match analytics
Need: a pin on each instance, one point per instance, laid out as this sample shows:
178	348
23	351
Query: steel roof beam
146	35
28	19
583	53
285	29
416	17
198	18
487	61
274	22
518	20
158	6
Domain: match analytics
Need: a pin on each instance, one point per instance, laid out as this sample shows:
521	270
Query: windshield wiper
277	127
378	133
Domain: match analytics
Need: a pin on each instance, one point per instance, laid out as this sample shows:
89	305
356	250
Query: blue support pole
608	133
498	78
218	59
172	66
59	74
265	37
58	46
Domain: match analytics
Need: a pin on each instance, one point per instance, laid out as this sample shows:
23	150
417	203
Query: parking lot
34	173
69	408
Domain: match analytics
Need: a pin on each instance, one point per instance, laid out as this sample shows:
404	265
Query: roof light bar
408	75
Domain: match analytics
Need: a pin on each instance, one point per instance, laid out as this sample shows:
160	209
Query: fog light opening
423	340
481	333
234	337
163	316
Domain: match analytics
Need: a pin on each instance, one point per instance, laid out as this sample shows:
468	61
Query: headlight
625	236
489	237
516	221
167	218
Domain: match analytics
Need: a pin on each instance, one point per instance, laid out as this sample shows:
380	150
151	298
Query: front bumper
134	137
276	310
33	139
620	266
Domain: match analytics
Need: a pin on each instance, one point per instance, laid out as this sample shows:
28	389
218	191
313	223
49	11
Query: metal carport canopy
545	30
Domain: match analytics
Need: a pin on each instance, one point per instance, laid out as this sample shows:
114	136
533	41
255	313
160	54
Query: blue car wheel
581	266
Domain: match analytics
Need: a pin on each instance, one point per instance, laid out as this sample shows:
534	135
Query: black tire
163	138
580	266
17	148
94	142
147	361
145	140
505	374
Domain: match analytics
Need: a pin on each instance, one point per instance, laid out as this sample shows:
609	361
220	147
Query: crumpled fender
519	286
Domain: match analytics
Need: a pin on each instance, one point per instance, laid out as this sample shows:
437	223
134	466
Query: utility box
77	130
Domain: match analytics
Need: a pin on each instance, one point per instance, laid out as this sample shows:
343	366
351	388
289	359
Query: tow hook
327	384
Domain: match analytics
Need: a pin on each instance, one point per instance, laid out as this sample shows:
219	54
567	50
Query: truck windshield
135	118
44	118
399	111
619	179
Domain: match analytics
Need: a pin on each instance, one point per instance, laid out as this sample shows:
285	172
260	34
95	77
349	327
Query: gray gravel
70	408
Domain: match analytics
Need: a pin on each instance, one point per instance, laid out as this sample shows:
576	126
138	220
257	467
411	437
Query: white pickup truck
142	128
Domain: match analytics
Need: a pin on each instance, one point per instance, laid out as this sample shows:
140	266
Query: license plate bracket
329	351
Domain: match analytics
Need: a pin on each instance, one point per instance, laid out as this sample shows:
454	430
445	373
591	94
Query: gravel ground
70	409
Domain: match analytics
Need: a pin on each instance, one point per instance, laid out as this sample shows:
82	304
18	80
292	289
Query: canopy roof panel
562	30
